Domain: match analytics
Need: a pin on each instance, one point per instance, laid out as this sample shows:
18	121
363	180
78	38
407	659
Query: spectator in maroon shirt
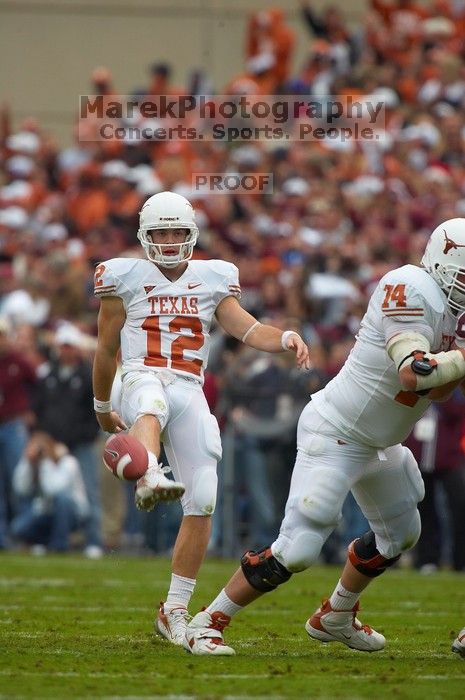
16	377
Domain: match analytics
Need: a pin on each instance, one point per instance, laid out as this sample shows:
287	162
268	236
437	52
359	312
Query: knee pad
302	551
365	557
263	571
203	498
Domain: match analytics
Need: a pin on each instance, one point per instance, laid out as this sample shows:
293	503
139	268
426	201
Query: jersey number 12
154	358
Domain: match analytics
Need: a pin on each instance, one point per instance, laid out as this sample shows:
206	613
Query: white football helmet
167	210
444	259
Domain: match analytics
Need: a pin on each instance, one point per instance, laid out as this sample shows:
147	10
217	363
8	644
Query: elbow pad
431	369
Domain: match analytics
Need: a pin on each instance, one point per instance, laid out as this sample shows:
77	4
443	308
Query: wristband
102	406
285	337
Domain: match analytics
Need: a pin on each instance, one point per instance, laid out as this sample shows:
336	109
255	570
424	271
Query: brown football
125	457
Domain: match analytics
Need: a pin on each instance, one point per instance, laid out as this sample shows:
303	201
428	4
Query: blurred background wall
48	47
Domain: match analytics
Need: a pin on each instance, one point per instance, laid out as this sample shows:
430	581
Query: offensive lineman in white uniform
407	353
160	310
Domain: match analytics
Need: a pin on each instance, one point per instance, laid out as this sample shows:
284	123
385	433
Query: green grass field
73	628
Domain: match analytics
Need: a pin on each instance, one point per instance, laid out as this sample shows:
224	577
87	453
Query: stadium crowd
341	214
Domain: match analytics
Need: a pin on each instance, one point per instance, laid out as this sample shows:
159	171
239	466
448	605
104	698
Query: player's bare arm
241	325
111	319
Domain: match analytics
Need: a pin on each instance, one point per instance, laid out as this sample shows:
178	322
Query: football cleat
154	487
204	635
171	623
458	645
328	625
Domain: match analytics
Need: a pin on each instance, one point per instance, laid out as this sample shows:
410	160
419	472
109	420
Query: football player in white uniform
160	310
407	353
458	645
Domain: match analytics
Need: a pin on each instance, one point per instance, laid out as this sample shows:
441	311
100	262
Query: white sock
224	604
153	459
342	599
180	592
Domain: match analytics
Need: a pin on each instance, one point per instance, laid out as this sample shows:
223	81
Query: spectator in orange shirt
268	35
87	206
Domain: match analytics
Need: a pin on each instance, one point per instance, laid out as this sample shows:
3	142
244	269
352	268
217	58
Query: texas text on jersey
167	323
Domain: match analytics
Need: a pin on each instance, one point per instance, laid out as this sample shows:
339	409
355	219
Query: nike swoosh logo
193	286
341	595
112	453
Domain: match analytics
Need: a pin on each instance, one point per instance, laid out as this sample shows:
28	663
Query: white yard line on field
208	676
282	612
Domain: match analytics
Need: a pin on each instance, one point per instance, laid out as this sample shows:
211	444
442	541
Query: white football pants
190	433
386	484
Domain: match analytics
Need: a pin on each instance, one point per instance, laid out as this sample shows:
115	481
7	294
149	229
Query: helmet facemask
448	279
154	251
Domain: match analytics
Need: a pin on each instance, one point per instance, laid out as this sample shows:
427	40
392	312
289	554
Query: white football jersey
365	400
167	323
